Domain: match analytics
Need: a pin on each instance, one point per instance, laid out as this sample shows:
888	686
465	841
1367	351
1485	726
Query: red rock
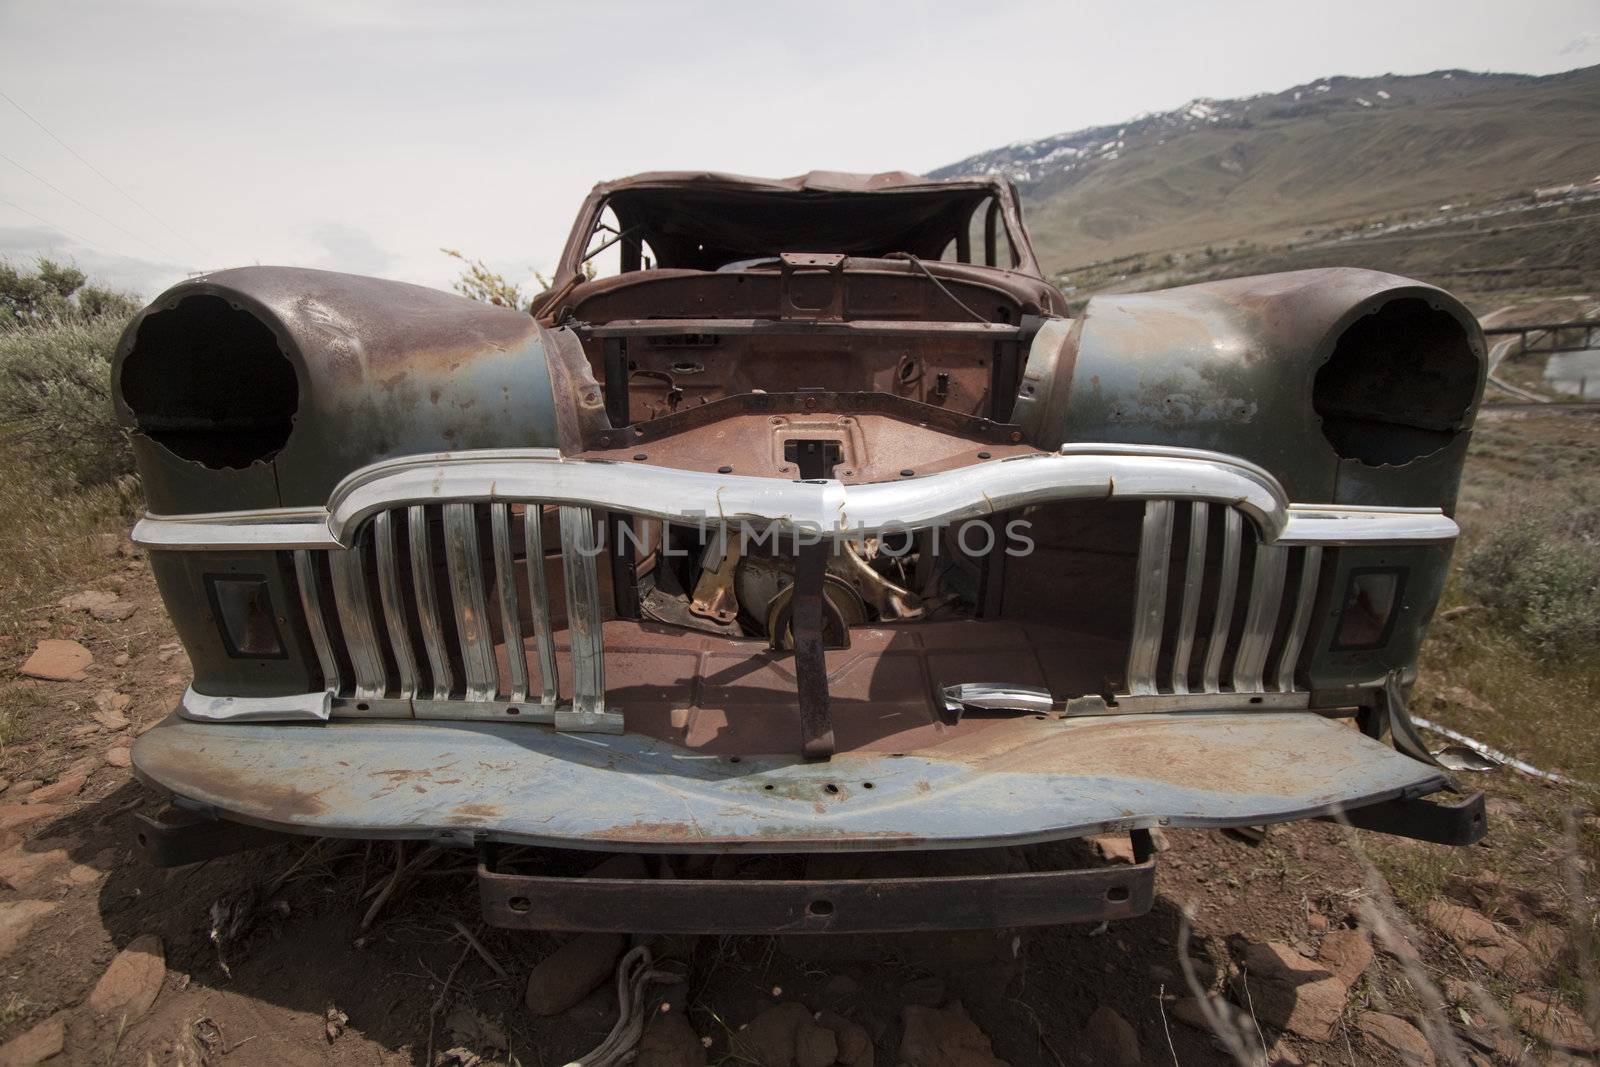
37	1044
67	786
852	1039
87	600
132	981
669	1041
1189	1012
1113	1037
58	661
814	1046
17	917
935	1037
769	1039
1461	924
20	868
16	814
1293	993
118	756
1483	940
1348	953
1398	1036
1112	848
566	976
116	611
1554	1022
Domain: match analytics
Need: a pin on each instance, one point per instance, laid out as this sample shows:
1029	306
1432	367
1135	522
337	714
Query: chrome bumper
1077	472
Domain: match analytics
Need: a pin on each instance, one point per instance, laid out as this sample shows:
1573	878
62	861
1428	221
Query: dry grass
1528	570
1528	575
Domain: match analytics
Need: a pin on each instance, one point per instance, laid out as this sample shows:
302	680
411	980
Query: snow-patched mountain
1063	154
1270	166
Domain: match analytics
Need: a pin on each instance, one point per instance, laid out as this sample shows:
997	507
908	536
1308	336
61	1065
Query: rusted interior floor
737	697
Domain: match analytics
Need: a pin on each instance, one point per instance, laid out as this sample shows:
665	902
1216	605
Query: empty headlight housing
1371	600
242	605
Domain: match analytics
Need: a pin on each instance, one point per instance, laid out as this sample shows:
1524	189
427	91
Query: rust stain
1206	753
401	775
670	831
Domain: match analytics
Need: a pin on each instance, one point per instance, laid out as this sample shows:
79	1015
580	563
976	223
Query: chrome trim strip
465	567
1194	576
578	552
1261	618
505	575
539	601
1078	472
428	602
1310	571
292	708
1150	602
1227	591
353	602
305	573
394	607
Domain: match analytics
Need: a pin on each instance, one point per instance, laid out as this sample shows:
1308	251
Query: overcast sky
361	136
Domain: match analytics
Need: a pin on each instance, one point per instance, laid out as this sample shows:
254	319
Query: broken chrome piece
1401	729
995	696
1462	758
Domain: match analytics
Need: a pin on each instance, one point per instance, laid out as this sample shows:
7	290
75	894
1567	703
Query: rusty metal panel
1018	781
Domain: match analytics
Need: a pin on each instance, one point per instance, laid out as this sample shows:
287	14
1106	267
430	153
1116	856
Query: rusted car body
816	542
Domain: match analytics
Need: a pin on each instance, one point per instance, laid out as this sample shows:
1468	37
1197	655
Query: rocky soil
1284	947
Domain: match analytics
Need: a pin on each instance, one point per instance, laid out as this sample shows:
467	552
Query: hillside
1269	167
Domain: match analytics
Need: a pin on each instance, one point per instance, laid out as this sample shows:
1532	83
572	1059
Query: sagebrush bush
55	399
1537	571
57	336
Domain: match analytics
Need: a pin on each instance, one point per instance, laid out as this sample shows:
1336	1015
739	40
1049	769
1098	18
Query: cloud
22	245
1581	43
350	249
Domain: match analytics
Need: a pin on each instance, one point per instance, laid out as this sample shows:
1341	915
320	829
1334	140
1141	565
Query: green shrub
1538	573
57	336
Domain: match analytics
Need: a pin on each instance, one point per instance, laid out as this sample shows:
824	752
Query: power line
148	244
129	196
47	222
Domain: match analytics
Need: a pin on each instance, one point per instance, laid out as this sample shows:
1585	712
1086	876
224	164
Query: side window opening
616	249
982	239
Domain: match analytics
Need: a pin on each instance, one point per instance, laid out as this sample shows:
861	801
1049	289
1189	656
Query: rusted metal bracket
811	286
1461	823
810	664
849	906
174	838
806	402
614	365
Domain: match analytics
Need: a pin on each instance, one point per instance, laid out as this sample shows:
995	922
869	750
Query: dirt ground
307	986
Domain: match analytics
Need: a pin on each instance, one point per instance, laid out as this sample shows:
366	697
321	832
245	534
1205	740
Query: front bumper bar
821	906
1015	782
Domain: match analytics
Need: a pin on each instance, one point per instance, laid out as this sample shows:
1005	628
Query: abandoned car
809	549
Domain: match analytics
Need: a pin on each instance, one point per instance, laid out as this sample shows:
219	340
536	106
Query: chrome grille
1211	649
427	647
